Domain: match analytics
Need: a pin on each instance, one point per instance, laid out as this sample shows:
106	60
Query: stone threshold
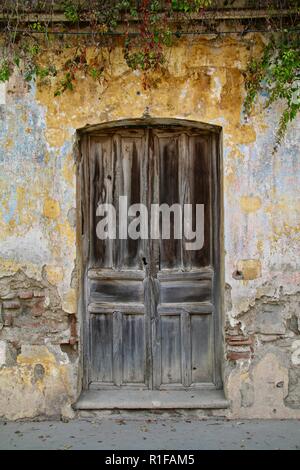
151	399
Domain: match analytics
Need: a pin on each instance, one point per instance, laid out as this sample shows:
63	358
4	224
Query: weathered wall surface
39	329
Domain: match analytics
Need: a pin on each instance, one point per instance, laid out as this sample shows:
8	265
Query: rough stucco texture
39	352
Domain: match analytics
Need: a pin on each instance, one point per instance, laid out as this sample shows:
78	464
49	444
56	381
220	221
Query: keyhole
144	261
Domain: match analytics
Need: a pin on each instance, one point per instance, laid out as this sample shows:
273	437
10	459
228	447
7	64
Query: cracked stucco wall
39	348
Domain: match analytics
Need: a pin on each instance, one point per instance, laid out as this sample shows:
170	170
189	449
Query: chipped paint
51	208
2	93
55	274
250	203
249	268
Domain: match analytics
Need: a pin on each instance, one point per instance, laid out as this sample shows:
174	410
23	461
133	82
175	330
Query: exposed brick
235	337
38	308
73	340
73	329
7	319
239	342
38	293
11	304
235	356
27	294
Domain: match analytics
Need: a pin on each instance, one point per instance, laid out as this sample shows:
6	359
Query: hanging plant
144	28
25	42
277	75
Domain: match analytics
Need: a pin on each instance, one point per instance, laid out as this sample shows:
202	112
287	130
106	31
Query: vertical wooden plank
169	194
186	365
117	192
199	150
153	261
123	185
148	260
186	191
117	348
217	258
131	149
101	348
170	349
92	195
103	181
127	155
151	286
133	349
202	348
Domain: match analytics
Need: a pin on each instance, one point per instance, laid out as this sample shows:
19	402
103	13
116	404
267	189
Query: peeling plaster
204	82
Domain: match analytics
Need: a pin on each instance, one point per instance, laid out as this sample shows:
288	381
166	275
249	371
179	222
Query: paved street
150	432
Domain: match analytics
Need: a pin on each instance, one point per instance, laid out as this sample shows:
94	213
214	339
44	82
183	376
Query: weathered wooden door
152	317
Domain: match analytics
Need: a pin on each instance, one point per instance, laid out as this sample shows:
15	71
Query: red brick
73	340
11	304
26	294
73	329
242	342
235	337
7	319
235	356
38	308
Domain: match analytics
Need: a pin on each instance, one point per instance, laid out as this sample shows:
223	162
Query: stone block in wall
293	398
269	319
247	394
38	308
7	354
8	296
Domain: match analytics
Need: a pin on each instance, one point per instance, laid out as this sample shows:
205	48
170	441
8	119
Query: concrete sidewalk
118	432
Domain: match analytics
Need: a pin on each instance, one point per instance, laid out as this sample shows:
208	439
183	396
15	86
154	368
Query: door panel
185	291
115	291
184	357
150	303
184	178
101	328
167	152
115	170
133	339
201	328
170	337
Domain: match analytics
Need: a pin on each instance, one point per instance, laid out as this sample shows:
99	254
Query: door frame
82	229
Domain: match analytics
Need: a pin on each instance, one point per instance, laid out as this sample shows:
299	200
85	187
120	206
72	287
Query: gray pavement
119	432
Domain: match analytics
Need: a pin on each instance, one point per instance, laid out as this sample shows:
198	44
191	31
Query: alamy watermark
136	223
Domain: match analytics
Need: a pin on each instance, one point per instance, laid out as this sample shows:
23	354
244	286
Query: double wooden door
151	315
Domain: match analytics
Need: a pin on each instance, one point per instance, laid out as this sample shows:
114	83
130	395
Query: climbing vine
143	50
144	28
276	74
